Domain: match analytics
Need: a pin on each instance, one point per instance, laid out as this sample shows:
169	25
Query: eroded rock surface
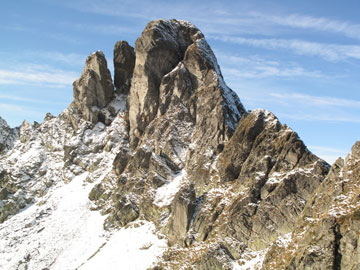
124	62
159	50
8	136
94	89
326	235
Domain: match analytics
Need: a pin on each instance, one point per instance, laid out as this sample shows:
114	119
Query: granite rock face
94	89
326	235
166	46
7	136
124	62
174	147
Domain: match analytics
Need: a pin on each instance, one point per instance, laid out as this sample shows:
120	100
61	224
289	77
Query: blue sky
298	59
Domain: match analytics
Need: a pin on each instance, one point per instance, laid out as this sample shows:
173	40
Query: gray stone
182	211
7	136
159	49
94	89
124	62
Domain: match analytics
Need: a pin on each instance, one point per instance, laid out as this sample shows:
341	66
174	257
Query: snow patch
250	260
53	233
133	248
166	193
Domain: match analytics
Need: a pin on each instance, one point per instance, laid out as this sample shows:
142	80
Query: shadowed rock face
94	89
7	136
124	62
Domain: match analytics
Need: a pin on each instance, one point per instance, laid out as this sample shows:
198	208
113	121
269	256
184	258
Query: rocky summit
164	168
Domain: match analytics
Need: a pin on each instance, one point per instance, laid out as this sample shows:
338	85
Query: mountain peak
167	164
159	50
94	89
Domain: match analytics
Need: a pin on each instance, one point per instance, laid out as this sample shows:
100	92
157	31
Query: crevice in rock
337	253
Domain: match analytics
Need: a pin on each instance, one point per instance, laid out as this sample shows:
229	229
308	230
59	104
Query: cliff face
326	235
169	154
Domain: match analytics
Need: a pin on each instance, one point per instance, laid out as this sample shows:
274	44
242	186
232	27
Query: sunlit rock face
94	89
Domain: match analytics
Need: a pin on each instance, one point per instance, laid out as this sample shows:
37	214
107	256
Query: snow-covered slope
61	232
55	225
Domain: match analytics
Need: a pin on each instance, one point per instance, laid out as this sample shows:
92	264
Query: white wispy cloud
329	52
320	117
313	23
21	110
254	66
71	59
310	100
328	149
104	29
218	18
30	100
271	71
328	153
63	37
15	27
113	8
37	74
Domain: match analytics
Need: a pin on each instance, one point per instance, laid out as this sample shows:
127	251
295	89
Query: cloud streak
313	23
317	100
70	59
37	74
327	153
320	117
252	67
20	110
329	52
217	16
30	100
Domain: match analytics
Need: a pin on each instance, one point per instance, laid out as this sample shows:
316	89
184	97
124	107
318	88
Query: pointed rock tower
94	89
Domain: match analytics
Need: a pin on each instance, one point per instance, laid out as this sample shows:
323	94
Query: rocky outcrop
326	235
124	62
161	48
94	89
278	173
7	136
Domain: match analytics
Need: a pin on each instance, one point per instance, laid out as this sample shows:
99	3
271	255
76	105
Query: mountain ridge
170	150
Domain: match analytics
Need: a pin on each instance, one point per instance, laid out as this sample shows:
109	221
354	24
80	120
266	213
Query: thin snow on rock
277	177
230	97
165	194
49	224
250	260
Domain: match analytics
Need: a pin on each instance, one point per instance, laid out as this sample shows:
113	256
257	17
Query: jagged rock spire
124	62
159	50
94	89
